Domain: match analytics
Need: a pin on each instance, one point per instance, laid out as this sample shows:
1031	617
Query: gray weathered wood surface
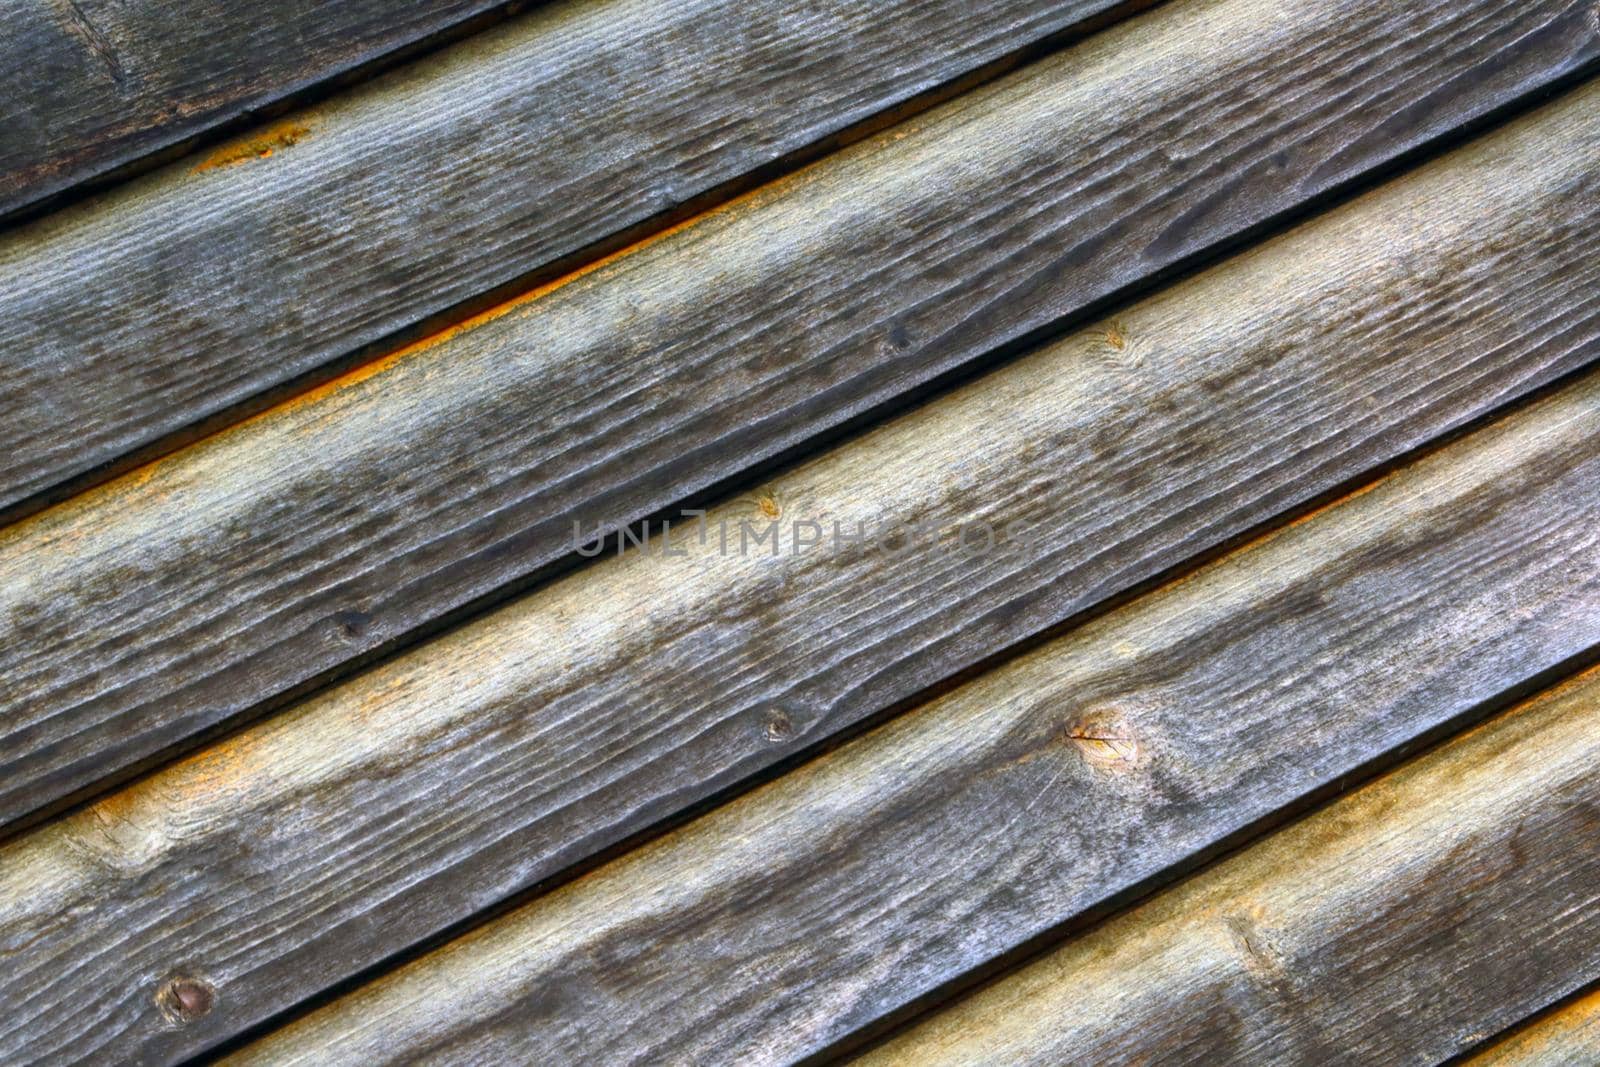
409	798
1402	925
270	557
807	912
1568	1036
93	85
150	310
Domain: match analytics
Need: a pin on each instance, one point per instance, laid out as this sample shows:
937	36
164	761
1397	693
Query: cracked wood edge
271	559
1434	906
500	755
950	839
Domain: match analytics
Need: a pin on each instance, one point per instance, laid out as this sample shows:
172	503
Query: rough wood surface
961	833
285	550
92	85
95	85
150	310
1568	1036
411	797
1399	926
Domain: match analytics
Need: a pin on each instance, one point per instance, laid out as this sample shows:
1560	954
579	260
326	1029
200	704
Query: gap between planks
511	536
294	332
921	853
1328	940
1303	303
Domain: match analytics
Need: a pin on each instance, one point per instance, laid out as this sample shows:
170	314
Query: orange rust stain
1354	494
768	505
357	375
1115	337
259	146
1554	1038
1585	677
218	770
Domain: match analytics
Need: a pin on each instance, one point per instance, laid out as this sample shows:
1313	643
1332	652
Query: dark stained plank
1570	1035
1404	923
91	86
339	833
272	557
970	829
335	228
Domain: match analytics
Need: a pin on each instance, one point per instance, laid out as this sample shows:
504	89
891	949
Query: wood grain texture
411	797
1399	926
276	554
348	221
92	85
1570	1035
868	879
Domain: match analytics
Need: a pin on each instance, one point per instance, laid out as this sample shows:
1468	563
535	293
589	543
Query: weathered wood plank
1438	904
155	309
339	833
93	85
958	835
1568	1036
273	556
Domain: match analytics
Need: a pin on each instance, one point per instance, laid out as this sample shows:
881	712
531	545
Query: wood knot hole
1104	740
351	625
183	1000
780	727
899	335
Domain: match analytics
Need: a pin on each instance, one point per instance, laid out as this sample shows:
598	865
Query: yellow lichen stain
258	146
1116	337
767	504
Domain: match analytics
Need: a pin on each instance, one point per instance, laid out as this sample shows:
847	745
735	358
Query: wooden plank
1438	904
349	222
92	86
339	833
960	835
1564	1037
382	209
269	559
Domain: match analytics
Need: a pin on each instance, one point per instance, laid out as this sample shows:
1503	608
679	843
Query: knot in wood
1104	740
184	1000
